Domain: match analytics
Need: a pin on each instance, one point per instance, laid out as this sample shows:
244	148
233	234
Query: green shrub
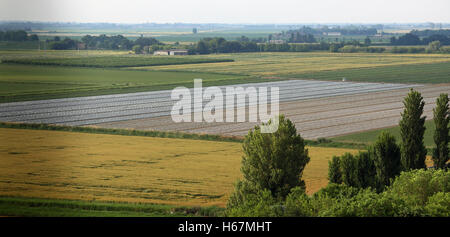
438	205
417	186
259	204
298	204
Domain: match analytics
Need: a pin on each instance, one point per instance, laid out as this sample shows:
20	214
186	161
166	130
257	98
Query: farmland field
112	108
320	117
305	65
26	45
81	166
369	137
30	82
115	61
411	73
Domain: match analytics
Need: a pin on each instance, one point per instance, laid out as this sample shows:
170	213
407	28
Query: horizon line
222	23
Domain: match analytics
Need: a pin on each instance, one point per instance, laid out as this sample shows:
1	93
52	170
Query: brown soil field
314	118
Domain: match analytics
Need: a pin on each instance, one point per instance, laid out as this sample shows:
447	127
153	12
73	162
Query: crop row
114	61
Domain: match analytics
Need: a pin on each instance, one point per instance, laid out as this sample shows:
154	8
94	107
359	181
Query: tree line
115	42
17	35
386	159
413	39
221	45
389	179
428	33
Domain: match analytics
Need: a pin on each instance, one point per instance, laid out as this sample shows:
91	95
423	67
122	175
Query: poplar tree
441	134
412	129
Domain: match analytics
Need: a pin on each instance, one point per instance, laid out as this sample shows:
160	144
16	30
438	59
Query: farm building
277	41
332	33
171	52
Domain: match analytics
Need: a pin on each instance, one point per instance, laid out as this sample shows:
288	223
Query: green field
383	67
30	82
415	73
370	137
39	207
20	82
26	45
114	61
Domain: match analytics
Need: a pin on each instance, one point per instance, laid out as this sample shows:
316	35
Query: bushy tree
137	49
272	162
412	129
365	170
434	46
352	170
386	156
441	134
349	170
416	186
334	170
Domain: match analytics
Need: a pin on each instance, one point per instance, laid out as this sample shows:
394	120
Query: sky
227	11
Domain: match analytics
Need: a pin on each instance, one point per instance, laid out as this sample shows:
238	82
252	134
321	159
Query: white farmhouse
171	52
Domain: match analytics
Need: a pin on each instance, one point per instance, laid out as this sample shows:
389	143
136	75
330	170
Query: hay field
81	166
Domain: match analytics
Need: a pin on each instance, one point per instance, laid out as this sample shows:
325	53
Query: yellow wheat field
66	165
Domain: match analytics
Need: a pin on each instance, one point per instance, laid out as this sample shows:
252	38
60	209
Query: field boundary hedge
59	62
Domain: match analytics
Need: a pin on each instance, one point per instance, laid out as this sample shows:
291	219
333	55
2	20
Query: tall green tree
349	170
412	129
441	134
386	156
366	172
334	170
272	161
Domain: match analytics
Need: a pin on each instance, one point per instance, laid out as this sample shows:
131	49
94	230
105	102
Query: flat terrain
314	118
114	61
31	82
410	73
96	109
368	137
306	65
318	109
20	82
80	166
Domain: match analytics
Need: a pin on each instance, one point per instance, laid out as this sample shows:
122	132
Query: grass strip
40	207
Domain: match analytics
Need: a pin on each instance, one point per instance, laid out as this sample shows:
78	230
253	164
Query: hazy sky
227	11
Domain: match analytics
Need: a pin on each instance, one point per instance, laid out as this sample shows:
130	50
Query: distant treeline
240	45
306	34
428	33
116	42
221	45
17	35
293	36
413	39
